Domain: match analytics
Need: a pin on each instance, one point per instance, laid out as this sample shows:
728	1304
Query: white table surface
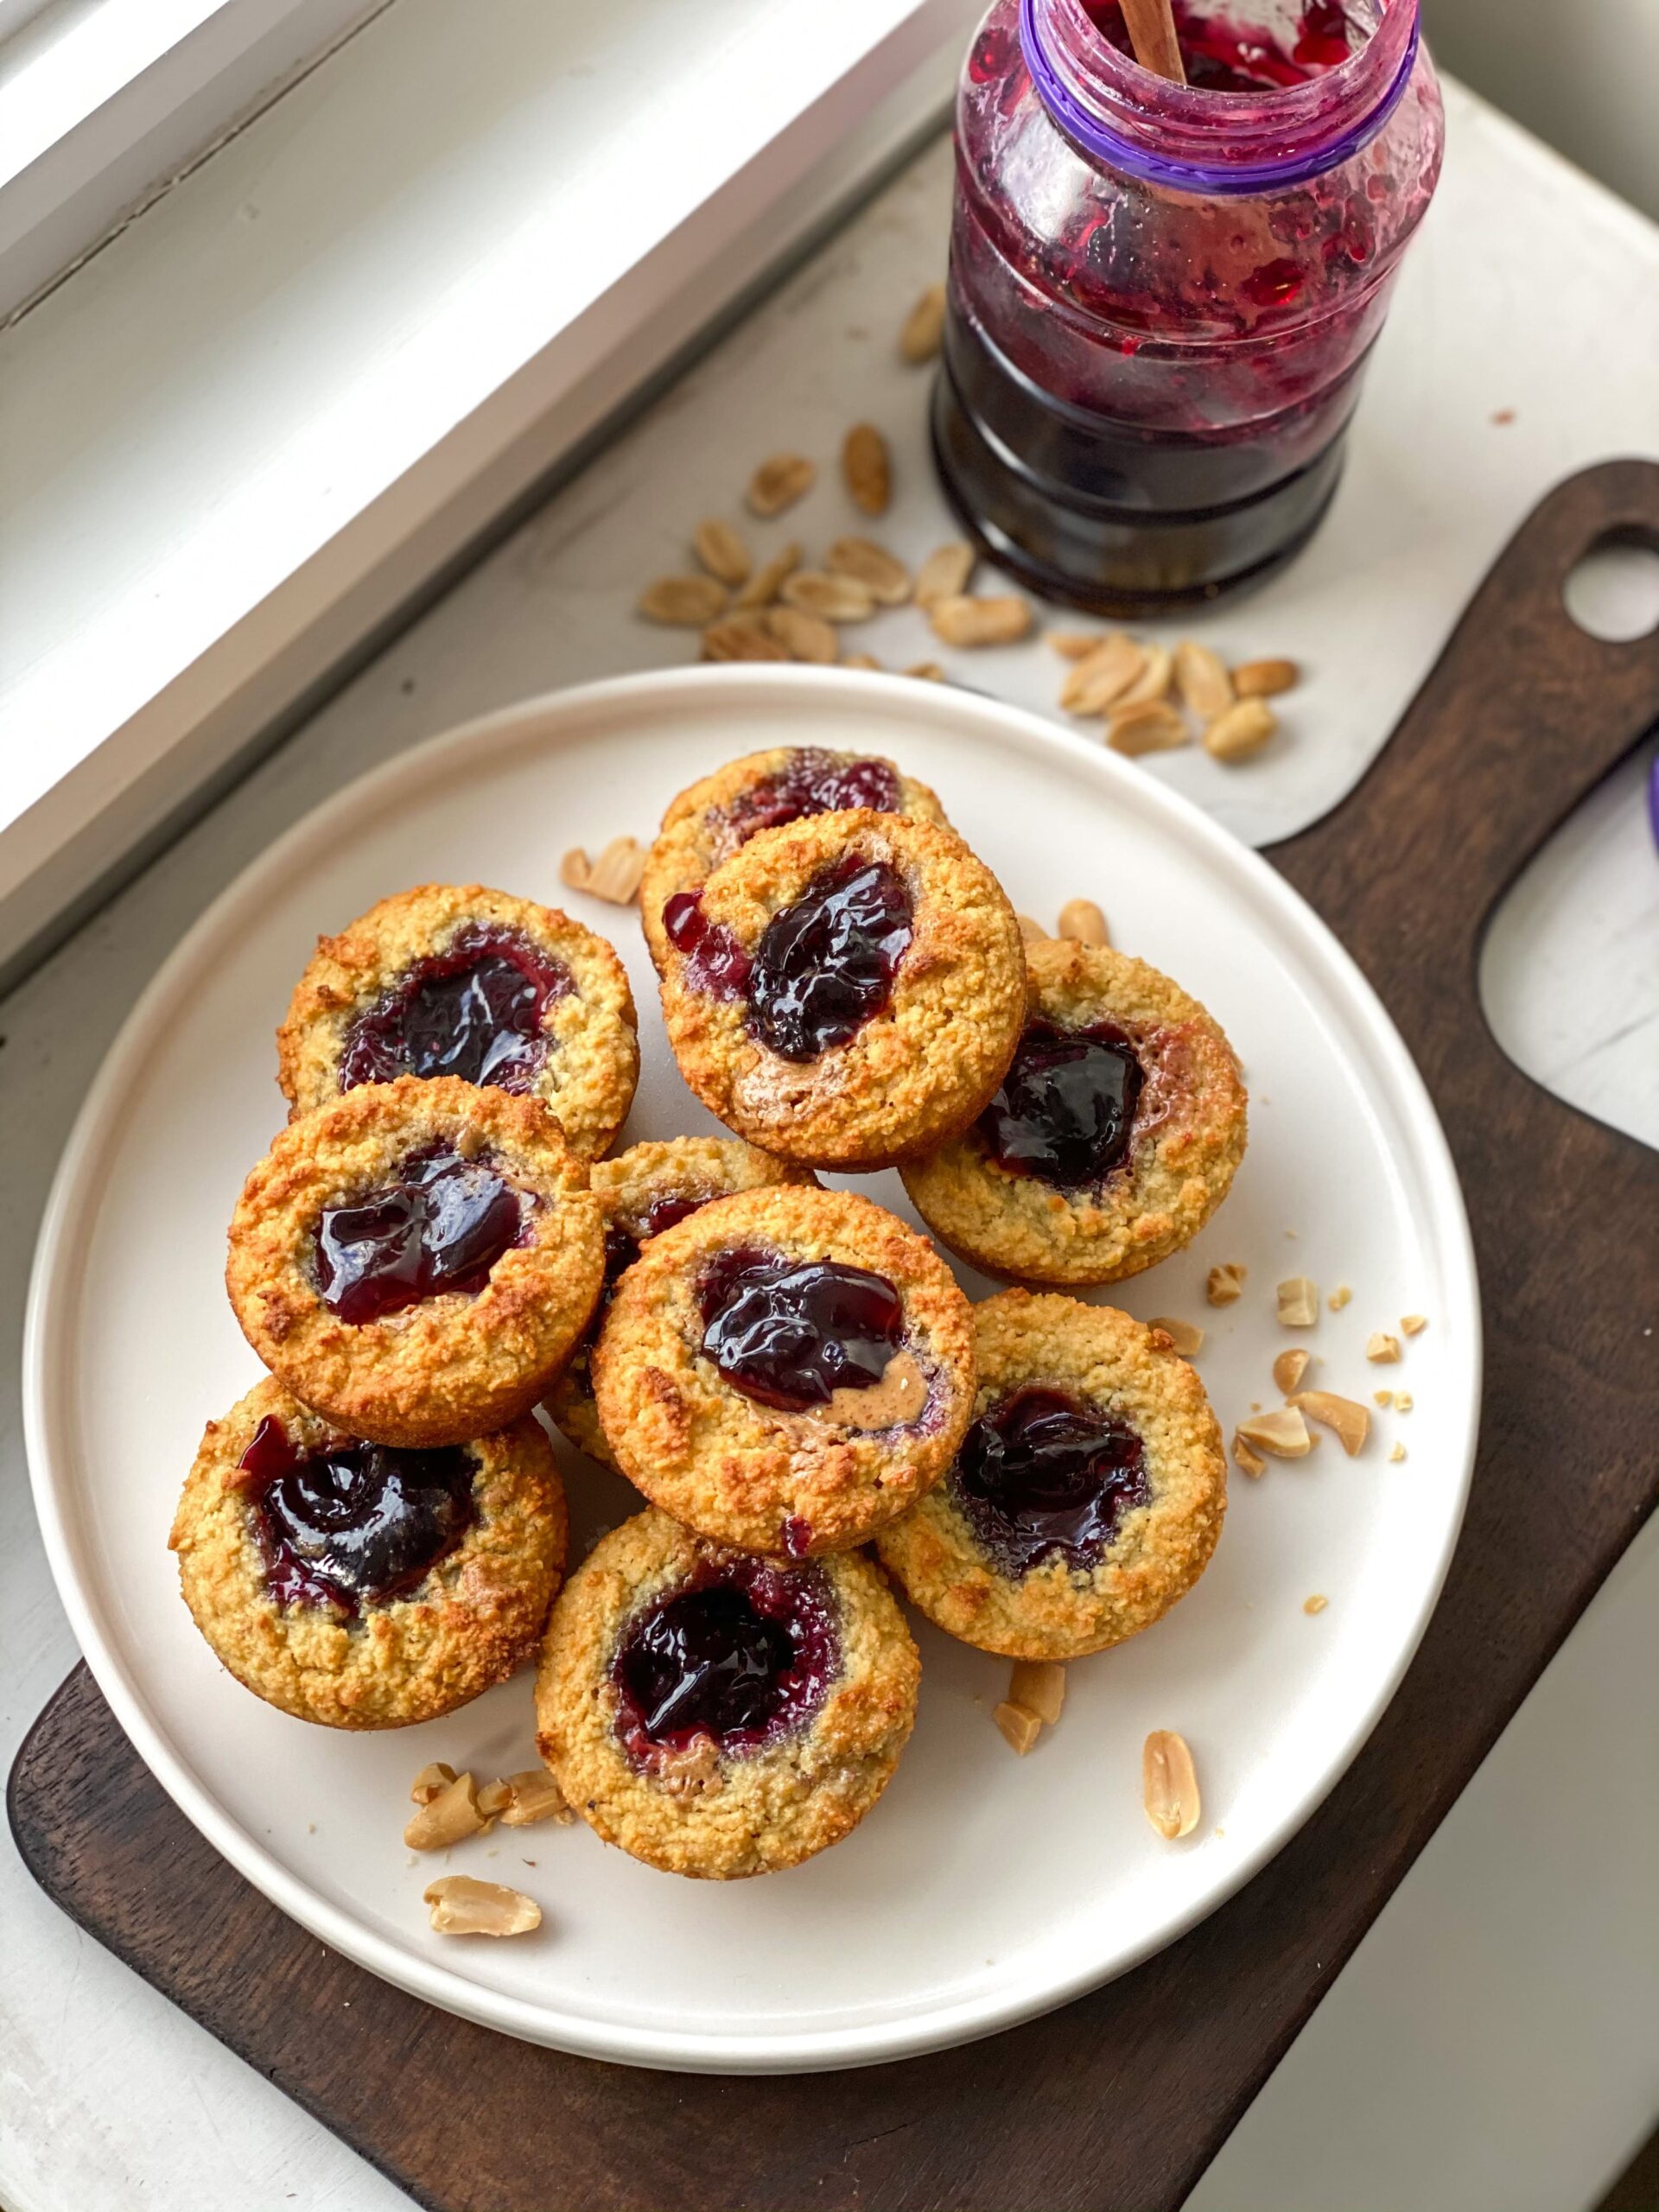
1518	1919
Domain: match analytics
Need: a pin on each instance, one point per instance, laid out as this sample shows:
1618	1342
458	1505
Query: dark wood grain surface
1119	2100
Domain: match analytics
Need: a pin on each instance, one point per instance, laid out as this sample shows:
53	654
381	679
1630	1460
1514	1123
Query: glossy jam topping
715	963
743	1656
357	1524
1222	53
790	1333
475	1010
826	964
440	1227
1042	1473
1065	1111
622	1246
811	782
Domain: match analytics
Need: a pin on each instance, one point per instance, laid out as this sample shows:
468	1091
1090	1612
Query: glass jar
1162	296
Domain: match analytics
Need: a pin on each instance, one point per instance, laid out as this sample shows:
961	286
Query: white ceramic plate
983	1888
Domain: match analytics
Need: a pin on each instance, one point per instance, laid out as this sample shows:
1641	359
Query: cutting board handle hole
1611	592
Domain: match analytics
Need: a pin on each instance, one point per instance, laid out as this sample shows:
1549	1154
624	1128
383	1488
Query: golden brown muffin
846	991
364	1587
708	823
717	1715
1086	1497
785	1371
418	1260
1113	1139
454	980
642	1192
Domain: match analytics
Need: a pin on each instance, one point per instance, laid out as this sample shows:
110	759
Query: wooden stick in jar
1152	33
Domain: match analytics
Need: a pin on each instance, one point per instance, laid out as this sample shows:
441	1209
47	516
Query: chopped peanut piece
1201	678
535	1797
449	1818
1341	1297
1289	1369
429	1781
1082	922
1241	731
1038	1685
779	482
867	468
961	620
882	574
1169	1785
1298	1302
1382	1397
1154	679
1223	1284
1403	1402
945	572
1413	1325
1072	645
927	672
1103	675
1315	1604
1398	1453
616	874
461	1906
1260	679
1019	1725
1282	1431
1350	1420
1149	726
1381	1347
494	1797
1252	1462
1183	1337
764	585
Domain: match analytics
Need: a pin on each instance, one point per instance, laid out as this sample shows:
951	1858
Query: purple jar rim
1236	179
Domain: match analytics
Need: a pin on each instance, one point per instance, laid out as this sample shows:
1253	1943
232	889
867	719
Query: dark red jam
715	963
1042	1474
356	1524
476	1010
811	782
826	964
1065	1111
790	1333
440	1227
1222	55
622	1246
743	1654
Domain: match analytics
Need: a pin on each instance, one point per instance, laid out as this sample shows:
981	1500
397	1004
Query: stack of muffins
437	1244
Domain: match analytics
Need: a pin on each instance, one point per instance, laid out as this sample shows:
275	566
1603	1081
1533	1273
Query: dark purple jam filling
790	1333
356	1524
622	1247
475	1010
812	782
1041	1473
443	1226
715	963
743	1654
1065	1111
826	964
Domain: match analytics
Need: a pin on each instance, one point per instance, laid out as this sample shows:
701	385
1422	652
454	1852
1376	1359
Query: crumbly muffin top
1103	1361
470	1621
760	1476
922	1064
1187	1137
712	818
570	1035
446	1367
696	1805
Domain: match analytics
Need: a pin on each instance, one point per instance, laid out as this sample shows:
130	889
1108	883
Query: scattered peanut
1398	1453
1341	1297
1315	1604
743	636
535	1797
684	602
1403	1402
1251	1461
883	574
1413	1325
1382	1397
1381	1347
1149	726
1003	619
493	1798
1225	1283
1083	923
722	552
924	326
867	467
1039	1685
1298	1302
832	599
1350	1419
1201	678
808	637
448	1818
429	1781
1169	1785
1289	1369
1103	675
781	479
1153	681
461	1906
1262	679
928	670
860	660
1281	1432
1072	645
766	583
1240	732
946	572
1183	1337
614	876
1020	1726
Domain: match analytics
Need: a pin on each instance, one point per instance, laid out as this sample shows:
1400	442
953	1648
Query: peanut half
1169	1784
463	1906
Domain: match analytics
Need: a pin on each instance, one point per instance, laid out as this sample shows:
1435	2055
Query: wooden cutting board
1118	2101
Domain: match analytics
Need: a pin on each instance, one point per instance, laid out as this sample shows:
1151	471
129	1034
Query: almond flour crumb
1315	1604
1223	1284
1381	1348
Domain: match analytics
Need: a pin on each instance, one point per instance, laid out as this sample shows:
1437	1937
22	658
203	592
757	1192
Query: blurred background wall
1582	73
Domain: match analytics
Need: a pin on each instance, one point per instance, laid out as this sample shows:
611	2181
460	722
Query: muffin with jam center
707	823
418	1260
641	1192
1087	1495
362	1585
846	991
456	980
786	1370
716	1714
1110	1141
